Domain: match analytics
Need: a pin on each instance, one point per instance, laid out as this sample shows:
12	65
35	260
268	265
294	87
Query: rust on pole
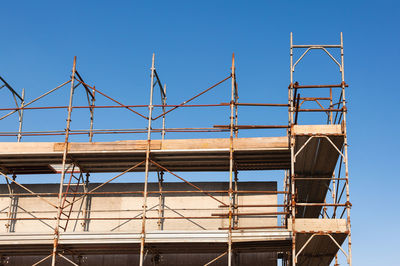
164	102
231	162
292	154
147	166
160	222
21	116
92	104
349	259
65	152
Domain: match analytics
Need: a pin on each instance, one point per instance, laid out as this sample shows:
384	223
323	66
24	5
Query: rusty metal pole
143	234
331	122
330	106
236	108
160	200
290	96
65	152
293	198
236	199
349	260
86	202
285	188
11	205
92	102
21	116
292	154
232	107
334	187
164	102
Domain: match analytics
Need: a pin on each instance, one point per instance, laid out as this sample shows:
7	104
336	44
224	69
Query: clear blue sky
193	43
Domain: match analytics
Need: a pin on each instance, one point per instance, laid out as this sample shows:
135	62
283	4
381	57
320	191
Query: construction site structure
80	222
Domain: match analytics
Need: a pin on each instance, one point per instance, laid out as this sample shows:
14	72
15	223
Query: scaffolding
297	179
307	209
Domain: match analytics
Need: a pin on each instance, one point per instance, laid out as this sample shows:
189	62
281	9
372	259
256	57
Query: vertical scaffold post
12	207
86	204
236	200
292	154
232	107
285	199
21	116
330	107
236	107
290	92
330	121
236	196
91	109
143	233
65	152
164	102
160	176
349	261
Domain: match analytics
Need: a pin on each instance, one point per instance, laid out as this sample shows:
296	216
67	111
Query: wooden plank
182	155
108	146
317	129
312	225
26	147
263	143
239	144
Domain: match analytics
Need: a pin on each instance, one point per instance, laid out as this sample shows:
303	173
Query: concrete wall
130	206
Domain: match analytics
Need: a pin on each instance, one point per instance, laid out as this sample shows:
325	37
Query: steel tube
318	178
230	214
252	227
248	214
11	89
349	257
292	154
316	45
142	106
147	166
319	86
321	110
253	205
111	218
21	116
65	152
251	126
92	192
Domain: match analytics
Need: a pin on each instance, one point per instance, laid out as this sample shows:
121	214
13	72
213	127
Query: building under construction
173	220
